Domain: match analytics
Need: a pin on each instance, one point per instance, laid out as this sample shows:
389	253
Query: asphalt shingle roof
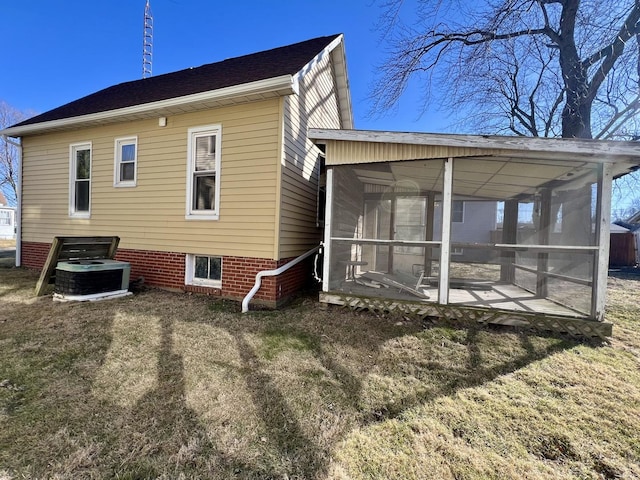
276	62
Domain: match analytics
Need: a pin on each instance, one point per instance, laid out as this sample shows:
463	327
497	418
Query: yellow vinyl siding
316	106
152	214
343	153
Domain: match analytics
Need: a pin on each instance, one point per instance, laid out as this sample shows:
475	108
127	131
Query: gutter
18	216
273	273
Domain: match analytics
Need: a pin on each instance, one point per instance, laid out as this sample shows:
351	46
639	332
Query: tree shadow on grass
283	430
370	367
166	436
470	365
384	355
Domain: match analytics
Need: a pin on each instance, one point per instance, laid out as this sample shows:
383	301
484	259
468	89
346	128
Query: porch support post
544	232
392	232
431	206
510	236
603	221
445	246
328	214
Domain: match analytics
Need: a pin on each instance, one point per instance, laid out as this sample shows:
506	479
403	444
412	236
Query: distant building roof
269	64
631	223
3	200
616	228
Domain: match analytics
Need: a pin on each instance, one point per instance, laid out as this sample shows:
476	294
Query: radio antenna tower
147	41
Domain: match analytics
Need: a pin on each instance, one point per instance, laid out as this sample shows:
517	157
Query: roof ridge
329	38
244	69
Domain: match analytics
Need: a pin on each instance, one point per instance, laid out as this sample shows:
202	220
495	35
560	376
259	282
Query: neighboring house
472	221
623	250
7	219
205	174
625	242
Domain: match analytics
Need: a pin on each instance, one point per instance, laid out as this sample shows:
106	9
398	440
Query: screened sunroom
498	229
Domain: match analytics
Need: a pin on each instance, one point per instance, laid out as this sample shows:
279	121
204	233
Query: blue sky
58	51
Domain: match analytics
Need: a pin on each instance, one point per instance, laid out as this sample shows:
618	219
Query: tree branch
613	51
619	118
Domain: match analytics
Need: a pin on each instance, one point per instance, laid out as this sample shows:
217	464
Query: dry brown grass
165	385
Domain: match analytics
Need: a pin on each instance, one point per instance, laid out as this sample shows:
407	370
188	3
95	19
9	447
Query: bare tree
565	68
9	157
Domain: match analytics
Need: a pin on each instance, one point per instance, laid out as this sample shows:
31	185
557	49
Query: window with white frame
80	180
5	217
457	211
126	160
204	270
203	174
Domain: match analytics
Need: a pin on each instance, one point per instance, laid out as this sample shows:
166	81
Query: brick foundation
167	270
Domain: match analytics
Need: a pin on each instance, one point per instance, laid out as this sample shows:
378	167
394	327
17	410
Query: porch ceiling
482	177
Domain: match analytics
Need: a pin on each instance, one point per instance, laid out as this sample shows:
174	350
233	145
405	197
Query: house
625	242
623	250
7	219
394	200
205	174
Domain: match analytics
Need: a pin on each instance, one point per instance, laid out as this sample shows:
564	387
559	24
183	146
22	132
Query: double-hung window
203	172
126	155
5	217
80	180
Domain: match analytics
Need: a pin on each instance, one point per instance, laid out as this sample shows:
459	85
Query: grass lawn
167	385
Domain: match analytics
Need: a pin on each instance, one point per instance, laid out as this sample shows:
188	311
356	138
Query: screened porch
488	228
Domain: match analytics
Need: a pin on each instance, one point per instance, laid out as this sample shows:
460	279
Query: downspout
273	273
18	216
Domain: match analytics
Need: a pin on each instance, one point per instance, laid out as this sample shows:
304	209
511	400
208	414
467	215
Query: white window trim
190	268
118	142
72	178
192	134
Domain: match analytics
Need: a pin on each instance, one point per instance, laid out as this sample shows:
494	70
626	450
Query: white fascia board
336	50
344	91
283	82
325	51
600	151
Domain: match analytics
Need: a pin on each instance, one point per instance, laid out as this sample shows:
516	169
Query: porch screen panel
410	224
574	291
415	193
346	222
382	223
377	225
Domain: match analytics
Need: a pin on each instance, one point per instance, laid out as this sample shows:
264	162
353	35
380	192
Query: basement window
204	270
